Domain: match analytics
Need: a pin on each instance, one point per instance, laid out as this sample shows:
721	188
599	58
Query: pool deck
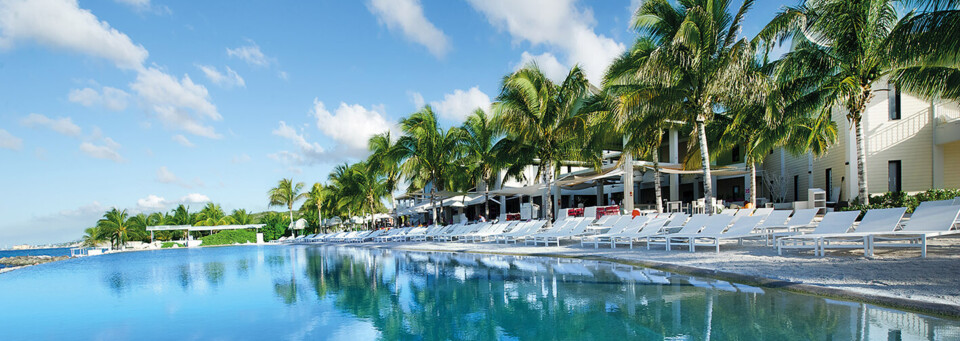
893	278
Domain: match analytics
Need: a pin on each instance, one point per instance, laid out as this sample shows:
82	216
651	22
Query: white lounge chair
832	223
714	225
520	231
926	222
743	228
567	225
620	226
652	227
875	221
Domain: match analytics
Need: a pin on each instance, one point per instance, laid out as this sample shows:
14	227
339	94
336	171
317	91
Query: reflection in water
337	292
440	295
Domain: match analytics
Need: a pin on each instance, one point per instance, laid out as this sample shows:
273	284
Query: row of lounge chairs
782	228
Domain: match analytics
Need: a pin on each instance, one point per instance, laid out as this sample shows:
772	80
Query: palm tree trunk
294	228
434	206
705	159
656	179
548	202
864	195
753	183
320	217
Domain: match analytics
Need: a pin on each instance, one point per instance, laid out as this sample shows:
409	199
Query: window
894	183
796	188
894	100
736	153
829	175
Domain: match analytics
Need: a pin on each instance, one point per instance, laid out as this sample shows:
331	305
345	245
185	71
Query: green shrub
276	225
902	199
167	245
229	237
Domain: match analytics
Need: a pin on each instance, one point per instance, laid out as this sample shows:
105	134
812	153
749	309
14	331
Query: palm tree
93	236
547	118
213	215
481	134
690	69
115	225
636	118
347	190
384	154
427	153
371	188
315	198
241	217
842	48
286	194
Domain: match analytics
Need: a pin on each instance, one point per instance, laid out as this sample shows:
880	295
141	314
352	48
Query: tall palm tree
347	198
427	153
287	193
93	236
315	198
371	188
690	70
115	224
481	134
384	154
842	48
547	118
639	120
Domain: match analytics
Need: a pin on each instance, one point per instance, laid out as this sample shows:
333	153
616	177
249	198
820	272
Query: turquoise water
349	293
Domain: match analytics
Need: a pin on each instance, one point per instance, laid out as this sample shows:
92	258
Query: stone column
674	142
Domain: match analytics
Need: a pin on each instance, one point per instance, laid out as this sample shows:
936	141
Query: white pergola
190	228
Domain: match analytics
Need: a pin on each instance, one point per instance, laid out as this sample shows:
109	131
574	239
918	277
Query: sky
146	104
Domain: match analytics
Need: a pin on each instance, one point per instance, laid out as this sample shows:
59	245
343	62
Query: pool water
354	293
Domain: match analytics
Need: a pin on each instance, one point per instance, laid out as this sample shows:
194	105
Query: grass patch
230	237
167	245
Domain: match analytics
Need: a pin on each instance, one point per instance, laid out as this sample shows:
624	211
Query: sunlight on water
346	293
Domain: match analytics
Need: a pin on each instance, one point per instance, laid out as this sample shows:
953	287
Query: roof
203	228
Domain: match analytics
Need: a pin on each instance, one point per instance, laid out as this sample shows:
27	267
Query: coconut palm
481	134
547	118
287	193
314	200
842	48
93	236
213	215
115	225
241	217
691	70
427	153
372	188
639	120
384	154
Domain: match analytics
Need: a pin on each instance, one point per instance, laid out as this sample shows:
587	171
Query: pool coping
899	303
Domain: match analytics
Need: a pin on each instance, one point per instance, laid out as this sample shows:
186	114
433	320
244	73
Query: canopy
678	169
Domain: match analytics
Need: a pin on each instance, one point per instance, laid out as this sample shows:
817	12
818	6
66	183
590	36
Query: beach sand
896	278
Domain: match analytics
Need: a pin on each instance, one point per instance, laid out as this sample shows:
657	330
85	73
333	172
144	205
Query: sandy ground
899	274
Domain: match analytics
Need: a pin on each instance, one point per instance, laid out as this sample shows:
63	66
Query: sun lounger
762	212
744	228
650	228
622	227
928	222
495	229
876	221
694	225
832	223
715	225
555	229
520	232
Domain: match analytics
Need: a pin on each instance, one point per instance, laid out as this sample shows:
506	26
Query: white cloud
350	125
178	104
152	202
283	75
228	78
242	158
62	125
417	99
182	140
111	98
8	141
556	23
547	63
308	152
250	54
63	24
165	176
460	104
407	15
107	151
194	198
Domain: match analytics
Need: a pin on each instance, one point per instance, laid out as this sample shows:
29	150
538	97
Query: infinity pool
351	293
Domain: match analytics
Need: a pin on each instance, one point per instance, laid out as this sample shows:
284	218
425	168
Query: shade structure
203	228
678	169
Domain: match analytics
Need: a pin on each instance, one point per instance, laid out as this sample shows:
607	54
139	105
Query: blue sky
144	104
